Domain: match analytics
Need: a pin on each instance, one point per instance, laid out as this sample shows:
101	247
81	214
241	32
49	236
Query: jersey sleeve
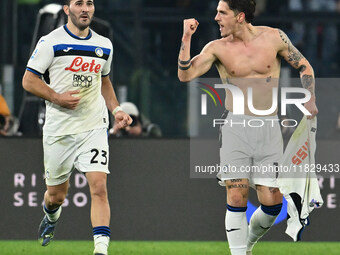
107	66
41	58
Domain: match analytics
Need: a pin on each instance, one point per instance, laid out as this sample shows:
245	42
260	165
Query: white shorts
86	152
251	148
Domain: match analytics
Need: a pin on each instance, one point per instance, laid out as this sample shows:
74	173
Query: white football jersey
74	63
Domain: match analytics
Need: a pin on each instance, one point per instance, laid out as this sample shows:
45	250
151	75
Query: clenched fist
68	99
189	27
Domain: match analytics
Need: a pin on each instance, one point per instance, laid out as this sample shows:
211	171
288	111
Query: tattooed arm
188	69
293	56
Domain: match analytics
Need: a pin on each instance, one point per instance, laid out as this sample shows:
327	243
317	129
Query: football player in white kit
247	56
75	130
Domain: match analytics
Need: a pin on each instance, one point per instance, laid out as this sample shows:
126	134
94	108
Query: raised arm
189	69
293	56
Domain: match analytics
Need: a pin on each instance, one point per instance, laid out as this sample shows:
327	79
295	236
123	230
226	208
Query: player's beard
76	21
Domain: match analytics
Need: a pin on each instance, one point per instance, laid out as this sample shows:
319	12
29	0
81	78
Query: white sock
101	244
237	229
260	223
52	215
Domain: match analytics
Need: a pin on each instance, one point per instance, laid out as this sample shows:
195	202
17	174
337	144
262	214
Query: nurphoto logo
239	103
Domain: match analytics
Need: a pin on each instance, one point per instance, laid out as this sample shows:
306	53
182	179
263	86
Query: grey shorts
251	148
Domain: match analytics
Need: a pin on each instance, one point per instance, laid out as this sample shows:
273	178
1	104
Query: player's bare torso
254	64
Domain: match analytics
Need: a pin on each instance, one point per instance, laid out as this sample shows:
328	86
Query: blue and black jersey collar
77	37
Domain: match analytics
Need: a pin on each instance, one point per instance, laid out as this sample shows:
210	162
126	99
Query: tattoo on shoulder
308	82
284	37
294	55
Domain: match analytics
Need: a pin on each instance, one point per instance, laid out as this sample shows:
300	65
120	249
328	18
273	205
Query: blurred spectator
8	124
321	46
275	7
140	127
296	33
29	1
4	116
27	11
260	7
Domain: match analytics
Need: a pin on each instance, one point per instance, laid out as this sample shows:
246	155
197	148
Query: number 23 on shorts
99	157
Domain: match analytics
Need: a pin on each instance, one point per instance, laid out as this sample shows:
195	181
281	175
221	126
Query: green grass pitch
164	248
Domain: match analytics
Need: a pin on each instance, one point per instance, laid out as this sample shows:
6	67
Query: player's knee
57	199
99	190
237	199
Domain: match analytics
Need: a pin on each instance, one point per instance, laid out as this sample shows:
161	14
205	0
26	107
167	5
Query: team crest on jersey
99	52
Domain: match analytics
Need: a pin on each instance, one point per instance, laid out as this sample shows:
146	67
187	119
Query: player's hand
189	27
122	120
311	107
68	99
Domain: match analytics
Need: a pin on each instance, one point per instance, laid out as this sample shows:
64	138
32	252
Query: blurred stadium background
151	193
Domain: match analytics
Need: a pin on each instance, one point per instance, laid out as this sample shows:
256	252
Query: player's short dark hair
246	6
67	2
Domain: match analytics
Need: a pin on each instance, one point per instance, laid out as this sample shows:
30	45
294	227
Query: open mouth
84	17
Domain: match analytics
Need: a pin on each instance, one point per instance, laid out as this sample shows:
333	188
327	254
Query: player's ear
241	17
66	9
